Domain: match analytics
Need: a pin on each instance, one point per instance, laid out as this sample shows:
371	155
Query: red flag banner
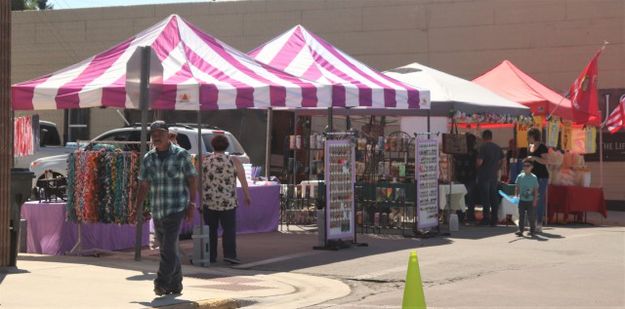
616	120
584	96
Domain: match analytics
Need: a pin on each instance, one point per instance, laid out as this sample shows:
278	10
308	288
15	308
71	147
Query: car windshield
234	148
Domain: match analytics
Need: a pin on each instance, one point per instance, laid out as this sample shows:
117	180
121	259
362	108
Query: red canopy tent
510	82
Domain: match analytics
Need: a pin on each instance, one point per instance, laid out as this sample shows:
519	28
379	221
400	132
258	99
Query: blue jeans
542	199
167	229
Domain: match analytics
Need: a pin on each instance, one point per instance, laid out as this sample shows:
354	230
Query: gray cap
159	125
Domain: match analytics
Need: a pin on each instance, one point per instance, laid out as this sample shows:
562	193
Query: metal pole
330	120
607	109
68	125
144	102
429	125
268	142
200	152
6	133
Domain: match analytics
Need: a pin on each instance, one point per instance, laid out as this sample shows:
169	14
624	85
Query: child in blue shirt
527	191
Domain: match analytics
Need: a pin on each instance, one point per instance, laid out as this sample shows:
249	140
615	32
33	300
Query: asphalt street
565	266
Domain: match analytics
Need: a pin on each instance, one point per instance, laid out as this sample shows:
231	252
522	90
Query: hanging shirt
219	182
540	170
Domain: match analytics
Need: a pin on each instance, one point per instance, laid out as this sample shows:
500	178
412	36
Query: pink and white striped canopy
304	54
199	71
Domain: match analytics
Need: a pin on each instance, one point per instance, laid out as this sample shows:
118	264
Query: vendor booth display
382	164
465	105
568	172
101	187
192	71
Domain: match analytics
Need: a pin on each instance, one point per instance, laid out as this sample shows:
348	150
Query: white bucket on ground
454	226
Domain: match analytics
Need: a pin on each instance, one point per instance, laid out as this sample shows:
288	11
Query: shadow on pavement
164	300
11	271
273	248
146	276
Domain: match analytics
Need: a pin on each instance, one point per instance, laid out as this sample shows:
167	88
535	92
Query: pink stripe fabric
68	94
389	94
22	94
115	94
168	44
298	41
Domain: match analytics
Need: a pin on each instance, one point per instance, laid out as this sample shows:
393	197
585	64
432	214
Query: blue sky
76	4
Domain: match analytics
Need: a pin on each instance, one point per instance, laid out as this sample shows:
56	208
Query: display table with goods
569	190
385	192
385	207
49	231
262	215
381	163
575	200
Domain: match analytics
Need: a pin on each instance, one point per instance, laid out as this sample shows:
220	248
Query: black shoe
176	291
232	260
520	234
159	291
532	234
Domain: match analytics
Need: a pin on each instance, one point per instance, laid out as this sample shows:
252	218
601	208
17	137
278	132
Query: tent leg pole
429	125
199	183
268	143
144	99
330	120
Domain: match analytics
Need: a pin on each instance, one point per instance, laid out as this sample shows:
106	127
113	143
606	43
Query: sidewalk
117	282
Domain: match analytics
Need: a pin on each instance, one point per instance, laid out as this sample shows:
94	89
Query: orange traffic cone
413	291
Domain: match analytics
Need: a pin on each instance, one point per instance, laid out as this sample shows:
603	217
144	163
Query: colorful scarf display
102	185
23	136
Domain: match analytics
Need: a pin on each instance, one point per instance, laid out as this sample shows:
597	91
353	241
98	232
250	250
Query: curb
216	303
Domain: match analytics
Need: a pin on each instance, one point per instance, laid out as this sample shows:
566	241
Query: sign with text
426	175
613	148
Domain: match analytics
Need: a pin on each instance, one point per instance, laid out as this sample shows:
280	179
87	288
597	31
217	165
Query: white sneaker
539	228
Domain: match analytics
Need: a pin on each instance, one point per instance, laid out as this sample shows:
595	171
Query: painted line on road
274	260
381	273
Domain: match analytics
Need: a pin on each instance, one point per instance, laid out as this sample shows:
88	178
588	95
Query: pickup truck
50	144
55	167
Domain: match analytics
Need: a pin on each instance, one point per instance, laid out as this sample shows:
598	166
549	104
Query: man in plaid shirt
168	173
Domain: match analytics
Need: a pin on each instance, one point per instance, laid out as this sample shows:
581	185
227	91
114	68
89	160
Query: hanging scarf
70	209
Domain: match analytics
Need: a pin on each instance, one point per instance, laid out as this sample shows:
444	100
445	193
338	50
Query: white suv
56	166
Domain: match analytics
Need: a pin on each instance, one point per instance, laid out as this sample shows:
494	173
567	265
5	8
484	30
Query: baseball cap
159	125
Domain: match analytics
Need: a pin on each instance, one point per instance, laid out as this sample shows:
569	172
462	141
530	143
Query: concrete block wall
552	40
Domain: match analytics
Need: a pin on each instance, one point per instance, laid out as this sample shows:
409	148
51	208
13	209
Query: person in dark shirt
489	161
465	171
537	153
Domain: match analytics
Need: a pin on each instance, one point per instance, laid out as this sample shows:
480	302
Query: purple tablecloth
262	215
49	233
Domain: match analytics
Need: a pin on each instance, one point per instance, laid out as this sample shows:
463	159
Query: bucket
586	179
453	223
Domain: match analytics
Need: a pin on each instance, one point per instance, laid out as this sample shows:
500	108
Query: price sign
426	174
